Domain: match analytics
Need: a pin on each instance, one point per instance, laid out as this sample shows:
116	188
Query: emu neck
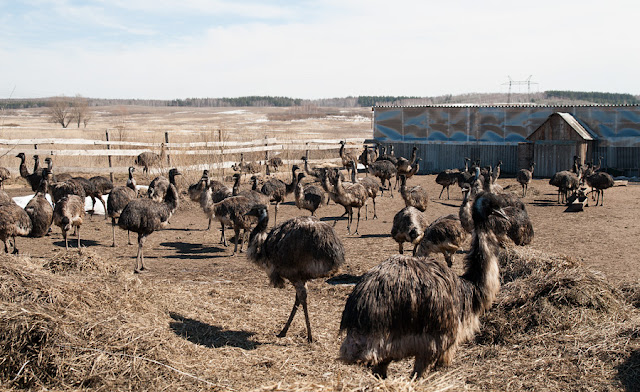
23	169
482	270
261	227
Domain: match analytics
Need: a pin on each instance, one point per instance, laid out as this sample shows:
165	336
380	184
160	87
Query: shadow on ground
210	336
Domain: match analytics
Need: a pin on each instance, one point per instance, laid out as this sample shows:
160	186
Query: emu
251	167
92	191
14	221
277	190
349	196
566	181
348	158
5	174
600	181
33	179
232	211
447	178
409	225
69	211
118	199
309	197
144	216
196	189
215	192
40	211
384	170
414	306
524	178
149	159
415	196
159	186
404	165
444	235
368	156
298	250
372	186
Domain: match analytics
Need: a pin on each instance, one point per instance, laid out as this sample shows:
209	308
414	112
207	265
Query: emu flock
407	306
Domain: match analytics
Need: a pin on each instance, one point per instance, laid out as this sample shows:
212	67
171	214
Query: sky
164	49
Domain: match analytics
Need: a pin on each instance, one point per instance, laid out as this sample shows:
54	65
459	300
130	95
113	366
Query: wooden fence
226	152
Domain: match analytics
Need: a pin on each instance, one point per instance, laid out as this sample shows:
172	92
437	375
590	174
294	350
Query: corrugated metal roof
506	105
573	123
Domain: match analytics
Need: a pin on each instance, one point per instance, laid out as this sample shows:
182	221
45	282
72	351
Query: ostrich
349	196
348	158
415	196
40	211
298	250
524	178
14	221
277	190
600	181
33	179
69	211
409	225
159	186
149	159
372	186
118	199
5	174
566	181
144	216
309	197
384	170
196	189
444	235
414	306
404	165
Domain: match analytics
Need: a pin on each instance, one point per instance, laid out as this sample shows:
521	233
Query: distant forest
541	98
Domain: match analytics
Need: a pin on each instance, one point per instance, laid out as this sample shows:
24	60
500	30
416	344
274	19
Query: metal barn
446	134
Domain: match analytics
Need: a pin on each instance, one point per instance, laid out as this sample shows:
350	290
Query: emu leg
78	229
141	239
275	215
301	293
15	247
401	248
375	214
358	222
104	206
209	225
283	333
129	237
420	365
380	369
6	247
440	196
113	231
223	238
64	235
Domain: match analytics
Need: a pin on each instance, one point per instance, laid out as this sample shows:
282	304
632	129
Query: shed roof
583	132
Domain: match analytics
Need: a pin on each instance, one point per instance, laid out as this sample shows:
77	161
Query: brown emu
309	197
405	165
384	170
149	159
69	211
524	178
348	158
215	192
446	178
415	196
298	250
196	189
372	186
5	174
409	225
277	190
414	306
118	199
367	157
444	235
159	186
14	221
232	212
40	211
144	216
349	196
33	179
600	181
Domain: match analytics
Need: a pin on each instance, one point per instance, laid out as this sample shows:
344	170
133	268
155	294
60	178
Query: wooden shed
555	143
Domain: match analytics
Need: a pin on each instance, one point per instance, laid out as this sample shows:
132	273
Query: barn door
552	157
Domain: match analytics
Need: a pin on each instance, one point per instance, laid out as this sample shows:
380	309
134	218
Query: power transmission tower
512	82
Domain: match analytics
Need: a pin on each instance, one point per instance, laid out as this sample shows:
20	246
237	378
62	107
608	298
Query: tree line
593	97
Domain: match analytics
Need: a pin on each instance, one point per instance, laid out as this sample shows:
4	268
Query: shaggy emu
600	181
524	178
5	174
14	221
33	179
388	157
415	196
414	306
384	170
57	177
298	250
447	178
566	181
93	192
69	211
40	211
196	189
232	212
277	190
251	194
404	165
348	158
367	157
159	186
118	199
144	216
215	192
149	159
372	186
496	172
251	167
59	190
409	225
309	197
444	235
348	196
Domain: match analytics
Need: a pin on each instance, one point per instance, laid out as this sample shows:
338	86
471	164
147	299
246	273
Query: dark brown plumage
409	225
159	185
309	197
144	216
58	190
244	167
40	211
524	178
91	191
297	250
372	187
404	165
347	157
415	196
14	222
349	196
444	235
149	159
414	306
384	170
277	190
446	178
196	189
102	184
69	211
5	174
367	157
33	179
118	199
600	181
215	192
566	181
232	212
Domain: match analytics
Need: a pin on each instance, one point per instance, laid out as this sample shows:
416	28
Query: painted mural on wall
614	126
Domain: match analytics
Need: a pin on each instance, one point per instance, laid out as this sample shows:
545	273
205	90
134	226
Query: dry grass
78	321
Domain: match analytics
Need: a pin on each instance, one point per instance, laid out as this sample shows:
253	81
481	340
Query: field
199	318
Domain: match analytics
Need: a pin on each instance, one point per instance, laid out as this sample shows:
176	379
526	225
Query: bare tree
80	111
60	111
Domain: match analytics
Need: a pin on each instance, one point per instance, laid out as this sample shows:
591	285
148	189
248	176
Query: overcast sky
169	49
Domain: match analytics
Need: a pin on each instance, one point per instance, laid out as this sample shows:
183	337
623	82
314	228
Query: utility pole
512	82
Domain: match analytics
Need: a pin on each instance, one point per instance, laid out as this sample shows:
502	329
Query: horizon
142	49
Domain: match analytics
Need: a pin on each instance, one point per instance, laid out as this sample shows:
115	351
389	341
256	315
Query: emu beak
500	212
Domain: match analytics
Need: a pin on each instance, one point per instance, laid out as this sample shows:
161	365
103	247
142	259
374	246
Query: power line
526	82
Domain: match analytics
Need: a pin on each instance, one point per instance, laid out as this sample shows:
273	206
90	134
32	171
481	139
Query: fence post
109	156
221	151
166	141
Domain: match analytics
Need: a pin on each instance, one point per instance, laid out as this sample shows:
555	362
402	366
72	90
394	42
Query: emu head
485	205
260	211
